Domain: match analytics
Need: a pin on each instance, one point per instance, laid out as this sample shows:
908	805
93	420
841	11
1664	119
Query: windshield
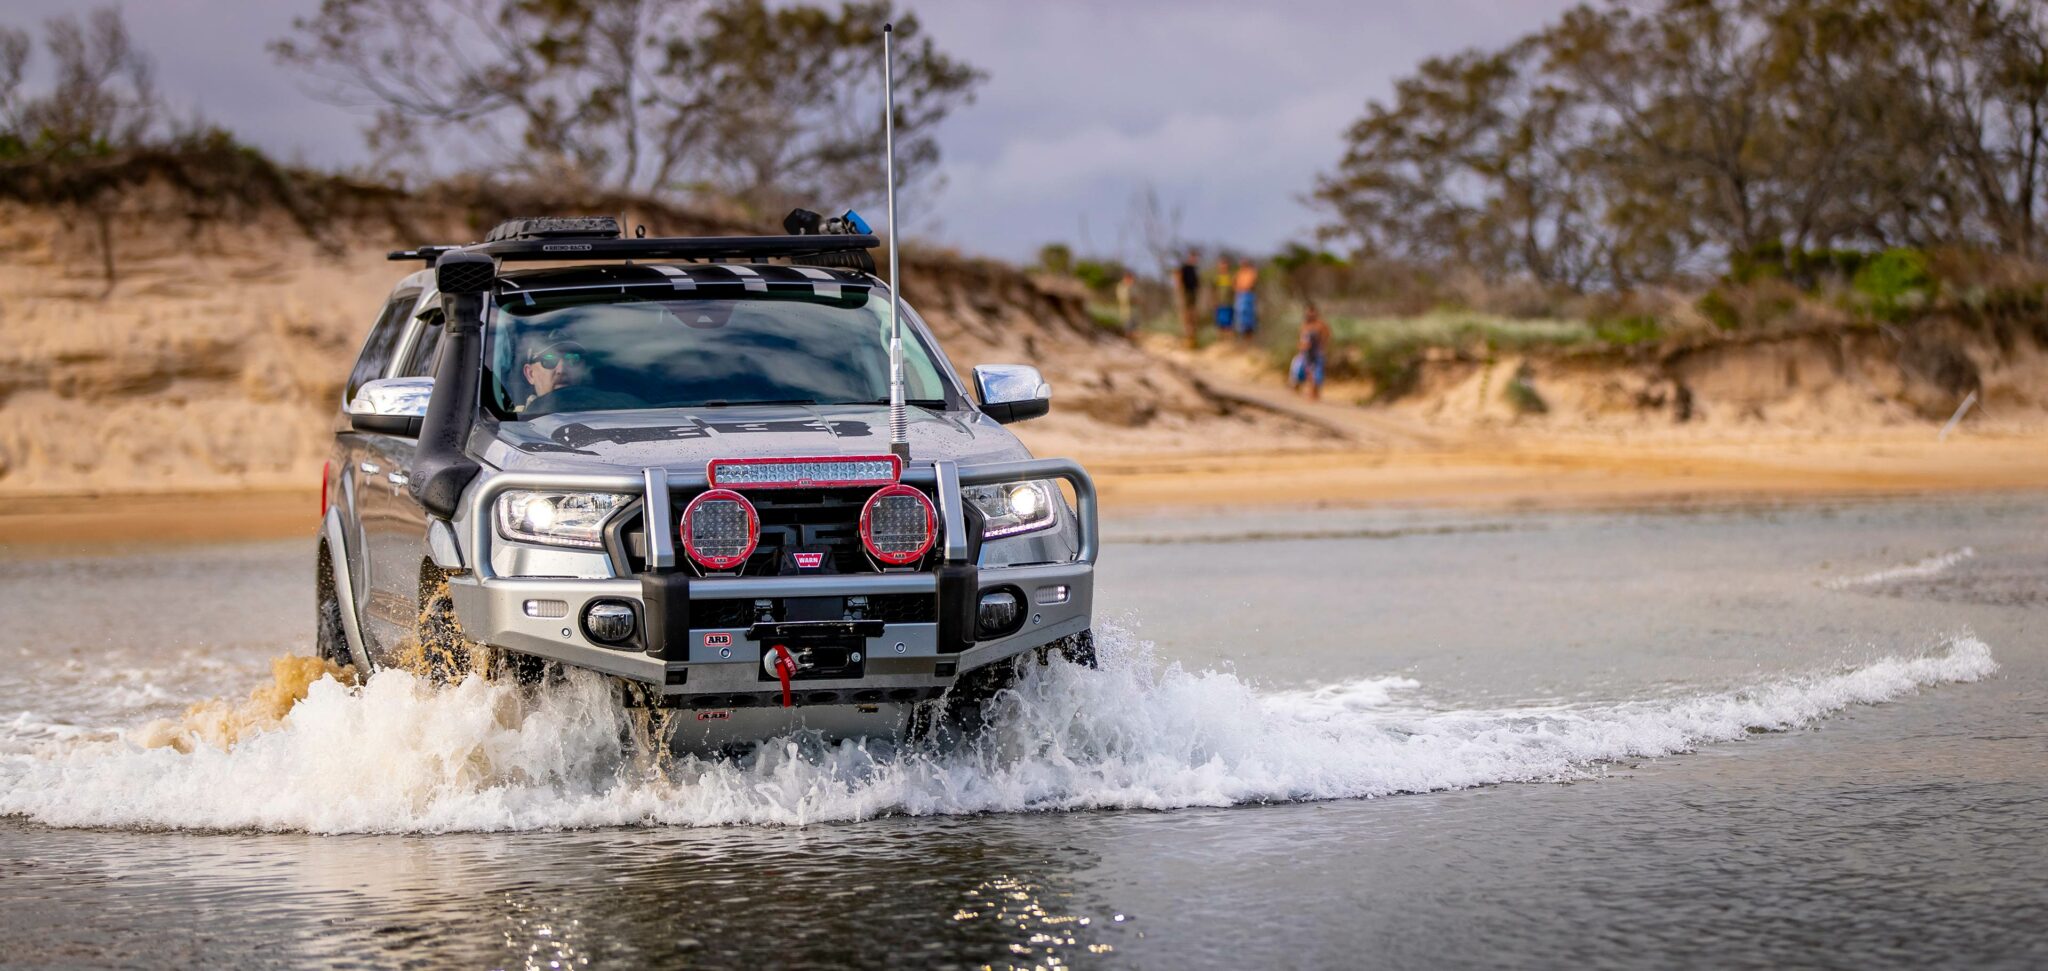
550	353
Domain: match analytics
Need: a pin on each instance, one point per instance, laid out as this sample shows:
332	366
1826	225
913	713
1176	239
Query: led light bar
818	472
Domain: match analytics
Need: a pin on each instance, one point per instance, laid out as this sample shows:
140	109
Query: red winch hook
784	667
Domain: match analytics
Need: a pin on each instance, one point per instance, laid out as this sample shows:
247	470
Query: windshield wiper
724	403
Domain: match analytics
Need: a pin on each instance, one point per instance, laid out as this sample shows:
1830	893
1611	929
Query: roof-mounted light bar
818	472
584	250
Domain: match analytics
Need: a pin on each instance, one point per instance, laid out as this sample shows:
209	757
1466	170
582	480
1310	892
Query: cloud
1228	109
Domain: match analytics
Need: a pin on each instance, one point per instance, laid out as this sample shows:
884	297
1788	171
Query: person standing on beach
1126	304
1245	311
1311	354
1223	280
1190	293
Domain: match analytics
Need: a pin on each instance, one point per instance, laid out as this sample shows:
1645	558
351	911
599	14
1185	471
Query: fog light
546	608
998	613
609	623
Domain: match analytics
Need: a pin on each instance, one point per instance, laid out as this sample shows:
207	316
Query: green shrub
1098	274
1521	393
1629	330
1056	258
1897	284
1804	268
1721	311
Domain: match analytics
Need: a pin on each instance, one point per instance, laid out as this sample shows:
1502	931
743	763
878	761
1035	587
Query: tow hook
780	663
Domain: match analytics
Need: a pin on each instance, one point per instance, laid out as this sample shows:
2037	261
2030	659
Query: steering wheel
578	397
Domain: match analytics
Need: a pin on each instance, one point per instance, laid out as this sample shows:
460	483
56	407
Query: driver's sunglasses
554	359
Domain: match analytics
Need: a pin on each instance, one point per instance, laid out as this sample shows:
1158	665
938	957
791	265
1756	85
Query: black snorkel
441	467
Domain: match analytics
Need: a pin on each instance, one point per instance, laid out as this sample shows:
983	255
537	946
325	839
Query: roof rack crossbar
572	250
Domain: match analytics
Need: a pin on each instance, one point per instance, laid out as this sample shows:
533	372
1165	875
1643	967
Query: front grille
903	608
817	520
824	520
890	608
723	613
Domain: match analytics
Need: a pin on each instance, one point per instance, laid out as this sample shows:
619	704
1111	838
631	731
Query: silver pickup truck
670	461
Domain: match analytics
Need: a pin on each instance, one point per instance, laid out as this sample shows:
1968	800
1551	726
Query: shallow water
1800	735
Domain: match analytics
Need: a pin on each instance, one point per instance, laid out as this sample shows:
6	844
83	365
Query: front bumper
699	646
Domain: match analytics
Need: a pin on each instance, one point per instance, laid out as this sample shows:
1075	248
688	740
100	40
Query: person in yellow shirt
1245	312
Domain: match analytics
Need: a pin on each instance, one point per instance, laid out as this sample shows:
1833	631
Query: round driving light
898	524
720	529
998	613
609	622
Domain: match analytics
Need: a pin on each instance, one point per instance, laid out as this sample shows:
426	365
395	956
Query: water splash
1932	566
221	723
399	755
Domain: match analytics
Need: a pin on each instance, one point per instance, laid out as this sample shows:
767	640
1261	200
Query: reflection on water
968	891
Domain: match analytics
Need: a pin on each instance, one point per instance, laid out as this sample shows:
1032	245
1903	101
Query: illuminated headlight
1014	508
557	518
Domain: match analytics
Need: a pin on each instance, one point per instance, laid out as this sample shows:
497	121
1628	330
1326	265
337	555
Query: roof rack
587	238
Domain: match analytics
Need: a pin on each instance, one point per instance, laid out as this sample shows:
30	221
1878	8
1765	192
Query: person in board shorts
1245	311
1311	354
1190	293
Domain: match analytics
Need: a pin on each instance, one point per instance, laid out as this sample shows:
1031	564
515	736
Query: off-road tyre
449	655
964	708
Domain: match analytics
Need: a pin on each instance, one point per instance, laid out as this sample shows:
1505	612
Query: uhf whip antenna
899	421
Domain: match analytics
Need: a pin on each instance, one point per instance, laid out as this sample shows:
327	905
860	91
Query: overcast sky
1227	110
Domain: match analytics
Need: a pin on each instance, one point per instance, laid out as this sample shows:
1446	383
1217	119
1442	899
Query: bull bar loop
654	488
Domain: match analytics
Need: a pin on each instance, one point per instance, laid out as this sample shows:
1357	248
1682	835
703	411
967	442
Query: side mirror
391	406
1011	392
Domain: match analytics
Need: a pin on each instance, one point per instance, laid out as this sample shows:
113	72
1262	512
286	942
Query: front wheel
965	706
445	654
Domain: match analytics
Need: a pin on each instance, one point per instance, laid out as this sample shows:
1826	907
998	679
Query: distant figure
1126	307
1246	309
1224	279
1190	293
1312	353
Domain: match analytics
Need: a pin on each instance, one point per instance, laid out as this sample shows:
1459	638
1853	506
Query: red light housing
720	529
326	472
898	525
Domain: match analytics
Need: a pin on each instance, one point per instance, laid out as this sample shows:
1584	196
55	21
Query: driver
552	364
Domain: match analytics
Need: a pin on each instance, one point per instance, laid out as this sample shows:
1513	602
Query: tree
101	102
102	97
739	99
1632	141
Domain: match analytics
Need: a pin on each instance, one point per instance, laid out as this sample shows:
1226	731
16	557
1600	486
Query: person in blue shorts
1246	311
1311	354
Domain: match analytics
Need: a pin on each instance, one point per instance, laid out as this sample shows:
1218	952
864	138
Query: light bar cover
818	472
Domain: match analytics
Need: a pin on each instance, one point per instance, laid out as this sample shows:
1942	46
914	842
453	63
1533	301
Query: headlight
1020	507
557	518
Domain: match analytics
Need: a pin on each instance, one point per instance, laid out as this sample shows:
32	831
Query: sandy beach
1547	472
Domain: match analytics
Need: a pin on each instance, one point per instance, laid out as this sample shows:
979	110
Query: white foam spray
1932	566
399	756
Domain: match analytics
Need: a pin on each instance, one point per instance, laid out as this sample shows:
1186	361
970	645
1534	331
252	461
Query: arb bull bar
696	646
